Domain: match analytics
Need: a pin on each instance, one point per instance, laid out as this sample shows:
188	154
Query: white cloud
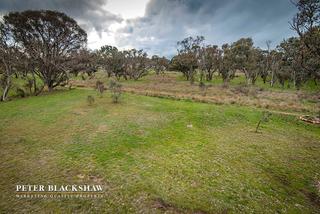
127	9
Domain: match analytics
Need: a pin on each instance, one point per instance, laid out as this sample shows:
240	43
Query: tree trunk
5	93
209	75
264	79
8	82
6	89
294	79
50	86
272	79
257	127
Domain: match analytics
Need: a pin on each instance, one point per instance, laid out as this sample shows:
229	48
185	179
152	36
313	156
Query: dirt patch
91	178
102	128
313	197
160	204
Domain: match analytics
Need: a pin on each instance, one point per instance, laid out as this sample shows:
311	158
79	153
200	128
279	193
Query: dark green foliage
20	92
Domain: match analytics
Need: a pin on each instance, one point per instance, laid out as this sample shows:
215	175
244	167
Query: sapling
90	100
264	118
115	89
203	88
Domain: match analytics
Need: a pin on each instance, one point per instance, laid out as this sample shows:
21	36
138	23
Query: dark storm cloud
89	13
167	21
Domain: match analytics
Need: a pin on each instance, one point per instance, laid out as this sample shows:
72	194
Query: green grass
144	155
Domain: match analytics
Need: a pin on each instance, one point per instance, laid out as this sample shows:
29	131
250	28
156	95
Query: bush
100	87
115	89
90	100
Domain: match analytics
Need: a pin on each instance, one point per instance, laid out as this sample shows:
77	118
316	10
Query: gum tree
48	38
189	53
210	59
306	23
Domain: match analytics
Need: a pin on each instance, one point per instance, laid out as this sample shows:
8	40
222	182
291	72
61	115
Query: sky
157	25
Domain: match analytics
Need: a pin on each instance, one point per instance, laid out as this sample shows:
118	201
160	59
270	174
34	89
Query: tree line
50	46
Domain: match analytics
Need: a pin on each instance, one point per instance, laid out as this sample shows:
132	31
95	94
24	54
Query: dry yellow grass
167	86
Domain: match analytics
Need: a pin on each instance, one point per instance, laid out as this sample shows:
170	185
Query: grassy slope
145	156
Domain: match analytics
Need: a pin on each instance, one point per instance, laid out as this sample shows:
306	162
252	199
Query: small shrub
100	87
264	118
90	100
115	89
203	88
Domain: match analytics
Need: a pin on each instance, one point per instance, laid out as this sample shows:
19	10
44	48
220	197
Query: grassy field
150	159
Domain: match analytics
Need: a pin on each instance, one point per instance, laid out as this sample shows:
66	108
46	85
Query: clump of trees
128	64
159	64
